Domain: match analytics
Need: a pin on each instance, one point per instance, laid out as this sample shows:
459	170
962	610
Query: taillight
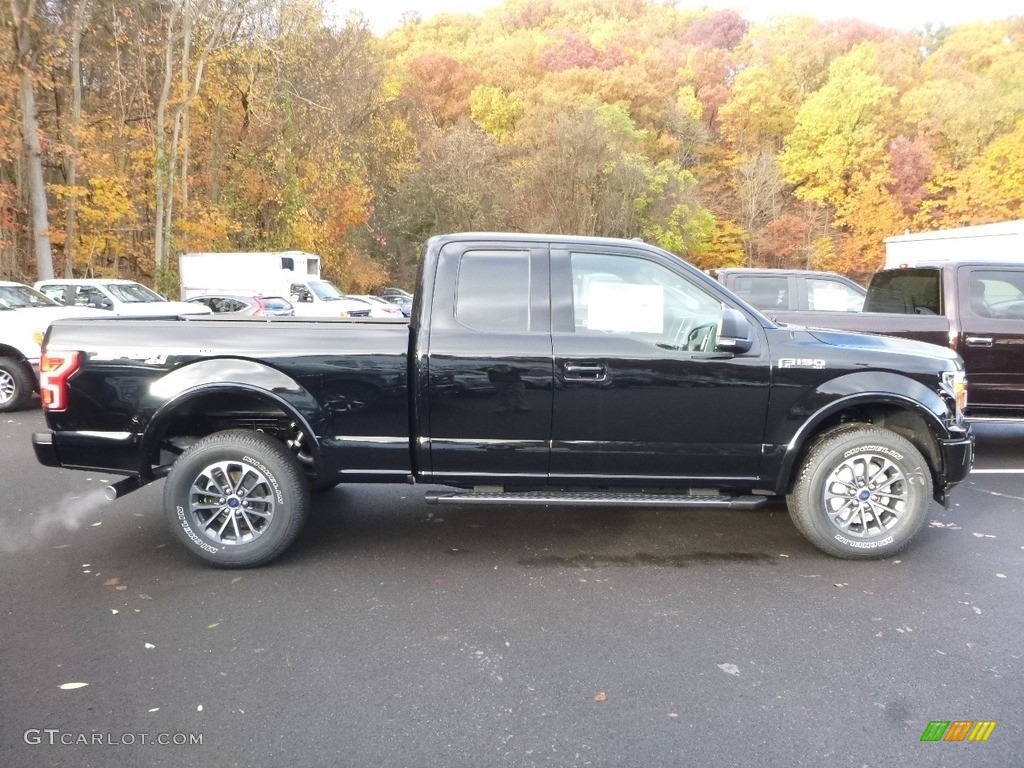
54	370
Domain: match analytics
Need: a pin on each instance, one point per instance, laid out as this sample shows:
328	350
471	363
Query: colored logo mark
958	730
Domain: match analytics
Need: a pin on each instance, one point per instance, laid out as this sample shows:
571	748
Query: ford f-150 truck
974	307
535	369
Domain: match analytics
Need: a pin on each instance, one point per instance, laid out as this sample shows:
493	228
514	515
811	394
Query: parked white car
25	314
379	307
122	297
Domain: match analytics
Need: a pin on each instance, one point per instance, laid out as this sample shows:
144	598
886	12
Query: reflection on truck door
641	393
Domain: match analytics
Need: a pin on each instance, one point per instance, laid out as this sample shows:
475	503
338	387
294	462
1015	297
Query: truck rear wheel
863	492
236	499
16	385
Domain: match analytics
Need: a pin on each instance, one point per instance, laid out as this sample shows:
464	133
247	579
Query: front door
641	394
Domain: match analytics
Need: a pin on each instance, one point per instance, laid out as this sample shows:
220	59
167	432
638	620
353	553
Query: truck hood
869	342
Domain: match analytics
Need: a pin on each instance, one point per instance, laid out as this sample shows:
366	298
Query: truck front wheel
236	499
16	385
863	492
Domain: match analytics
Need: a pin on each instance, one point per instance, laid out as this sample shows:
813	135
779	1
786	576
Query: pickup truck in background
25	315
535	369
793	289
974	307
124	298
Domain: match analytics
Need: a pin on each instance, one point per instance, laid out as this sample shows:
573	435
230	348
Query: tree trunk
71	159
34	154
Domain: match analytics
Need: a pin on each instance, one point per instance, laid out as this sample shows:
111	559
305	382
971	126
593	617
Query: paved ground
397	634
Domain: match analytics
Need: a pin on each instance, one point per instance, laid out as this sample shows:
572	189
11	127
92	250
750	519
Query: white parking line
997	471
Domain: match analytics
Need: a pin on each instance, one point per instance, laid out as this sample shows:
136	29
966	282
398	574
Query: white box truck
292	274
1003	241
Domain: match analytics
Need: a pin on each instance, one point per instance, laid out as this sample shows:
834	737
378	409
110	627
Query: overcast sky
385	14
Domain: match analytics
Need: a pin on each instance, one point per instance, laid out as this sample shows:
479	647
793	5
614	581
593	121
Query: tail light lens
54	370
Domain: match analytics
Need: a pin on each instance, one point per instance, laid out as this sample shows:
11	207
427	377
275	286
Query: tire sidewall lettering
192	535
874	449
864	544
278	493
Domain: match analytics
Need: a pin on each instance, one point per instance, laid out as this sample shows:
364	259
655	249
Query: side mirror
735	334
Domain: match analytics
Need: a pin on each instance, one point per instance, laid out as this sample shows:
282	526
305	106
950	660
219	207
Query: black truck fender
246	385
884	399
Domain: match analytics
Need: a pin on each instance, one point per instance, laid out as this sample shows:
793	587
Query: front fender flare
854	391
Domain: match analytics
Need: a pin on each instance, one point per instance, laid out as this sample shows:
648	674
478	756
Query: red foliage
911	164
721	29
783	243
441	85
575	51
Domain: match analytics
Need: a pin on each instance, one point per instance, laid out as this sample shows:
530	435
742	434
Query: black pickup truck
535	369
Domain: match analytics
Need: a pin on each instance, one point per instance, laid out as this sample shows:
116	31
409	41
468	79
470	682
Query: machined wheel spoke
252	528
887	495
883	470
227	519
210	520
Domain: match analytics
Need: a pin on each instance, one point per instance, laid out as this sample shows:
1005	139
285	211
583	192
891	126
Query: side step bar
596	499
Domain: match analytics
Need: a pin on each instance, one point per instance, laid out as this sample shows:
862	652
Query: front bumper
957	460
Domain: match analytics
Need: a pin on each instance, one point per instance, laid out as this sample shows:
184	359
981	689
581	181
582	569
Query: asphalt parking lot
399	634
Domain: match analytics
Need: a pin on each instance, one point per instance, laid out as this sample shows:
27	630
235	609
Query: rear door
488	361
641	395
991	301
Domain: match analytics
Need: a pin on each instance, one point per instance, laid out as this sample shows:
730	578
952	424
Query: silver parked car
244	305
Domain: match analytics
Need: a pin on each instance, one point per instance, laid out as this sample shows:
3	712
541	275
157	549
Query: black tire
17	386
262	508
863	493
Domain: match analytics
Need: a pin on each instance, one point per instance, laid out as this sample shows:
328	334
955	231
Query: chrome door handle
585	371
979	341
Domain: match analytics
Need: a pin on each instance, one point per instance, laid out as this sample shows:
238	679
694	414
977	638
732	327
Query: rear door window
493	291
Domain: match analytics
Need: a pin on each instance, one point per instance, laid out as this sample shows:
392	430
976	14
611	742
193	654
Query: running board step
593	499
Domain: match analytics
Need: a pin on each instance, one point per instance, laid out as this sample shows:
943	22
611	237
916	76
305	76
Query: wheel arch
902	414
13	353
213	405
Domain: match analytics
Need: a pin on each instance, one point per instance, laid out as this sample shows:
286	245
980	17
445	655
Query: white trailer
991	242
245	272
292	274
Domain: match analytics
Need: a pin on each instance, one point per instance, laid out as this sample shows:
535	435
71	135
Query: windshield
324	290
133	293
22	297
